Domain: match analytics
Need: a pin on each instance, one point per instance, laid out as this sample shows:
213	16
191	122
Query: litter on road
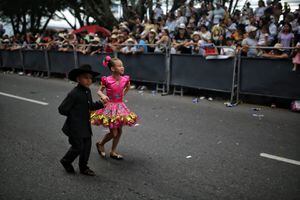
256	109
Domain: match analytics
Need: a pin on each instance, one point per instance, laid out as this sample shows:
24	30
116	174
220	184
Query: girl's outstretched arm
126	89
102	96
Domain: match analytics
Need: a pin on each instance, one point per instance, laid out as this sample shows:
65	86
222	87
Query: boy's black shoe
68	167
88	172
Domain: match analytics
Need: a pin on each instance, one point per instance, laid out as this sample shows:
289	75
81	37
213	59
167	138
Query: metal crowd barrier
197	72
237	75
266	77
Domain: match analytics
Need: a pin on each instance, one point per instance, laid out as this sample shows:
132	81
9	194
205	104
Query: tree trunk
141	9
230	6
235	5
177	4
46	23
125	9
13	24
24	24
150	7
101	12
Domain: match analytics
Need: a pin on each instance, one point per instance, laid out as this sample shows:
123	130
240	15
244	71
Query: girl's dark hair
289	25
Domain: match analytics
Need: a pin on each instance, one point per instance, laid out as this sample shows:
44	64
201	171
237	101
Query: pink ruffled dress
115	113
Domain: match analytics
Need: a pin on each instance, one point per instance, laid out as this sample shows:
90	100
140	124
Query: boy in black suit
77	106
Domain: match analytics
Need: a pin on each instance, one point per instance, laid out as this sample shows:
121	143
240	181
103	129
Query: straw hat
196	33
121	35
278	46
113	36
153	31
181	26
130	40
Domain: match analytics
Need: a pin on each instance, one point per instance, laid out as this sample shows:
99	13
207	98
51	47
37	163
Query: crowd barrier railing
271	77
196	71
255	76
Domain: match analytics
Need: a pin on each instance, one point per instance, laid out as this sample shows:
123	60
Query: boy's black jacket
77	106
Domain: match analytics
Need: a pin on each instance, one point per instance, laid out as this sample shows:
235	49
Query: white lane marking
295	162
24	99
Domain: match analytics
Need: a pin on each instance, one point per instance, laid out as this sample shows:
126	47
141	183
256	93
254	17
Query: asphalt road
180	150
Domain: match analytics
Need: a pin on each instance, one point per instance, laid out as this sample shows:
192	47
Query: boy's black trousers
79	147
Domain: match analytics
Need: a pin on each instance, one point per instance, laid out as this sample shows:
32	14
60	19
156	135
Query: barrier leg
75	58
168	72
175	91
160	89
22	60
47	63
234	98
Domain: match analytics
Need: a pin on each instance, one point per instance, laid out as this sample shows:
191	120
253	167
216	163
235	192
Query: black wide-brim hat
74	73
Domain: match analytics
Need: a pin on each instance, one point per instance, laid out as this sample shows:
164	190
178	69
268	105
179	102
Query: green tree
29	15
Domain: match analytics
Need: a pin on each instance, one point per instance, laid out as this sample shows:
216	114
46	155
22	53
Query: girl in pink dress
115	114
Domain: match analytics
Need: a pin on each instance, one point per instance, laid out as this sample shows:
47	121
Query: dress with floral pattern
115	113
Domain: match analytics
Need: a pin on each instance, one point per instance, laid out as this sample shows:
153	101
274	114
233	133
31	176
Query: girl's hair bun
106	61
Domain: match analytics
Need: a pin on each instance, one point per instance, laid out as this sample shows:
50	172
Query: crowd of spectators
188	30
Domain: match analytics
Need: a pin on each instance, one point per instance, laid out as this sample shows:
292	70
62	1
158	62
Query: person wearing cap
151	40
277	52
180	39
112	44
95	46
76	107
195	43
249	44
130	47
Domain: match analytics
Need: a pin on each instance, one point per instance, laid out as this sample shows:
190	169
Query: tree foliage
29	15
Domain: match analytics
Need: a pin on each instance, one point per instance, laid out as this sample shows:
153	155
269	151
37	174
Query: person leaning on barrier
163	41
180	39
249	44
195	43
95	46
130	47
141	45
277	52
151	40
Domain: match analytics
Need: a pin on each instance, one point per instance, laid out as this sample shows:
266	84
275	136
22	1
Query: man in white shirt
259	12
218	14
272	30
158	12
